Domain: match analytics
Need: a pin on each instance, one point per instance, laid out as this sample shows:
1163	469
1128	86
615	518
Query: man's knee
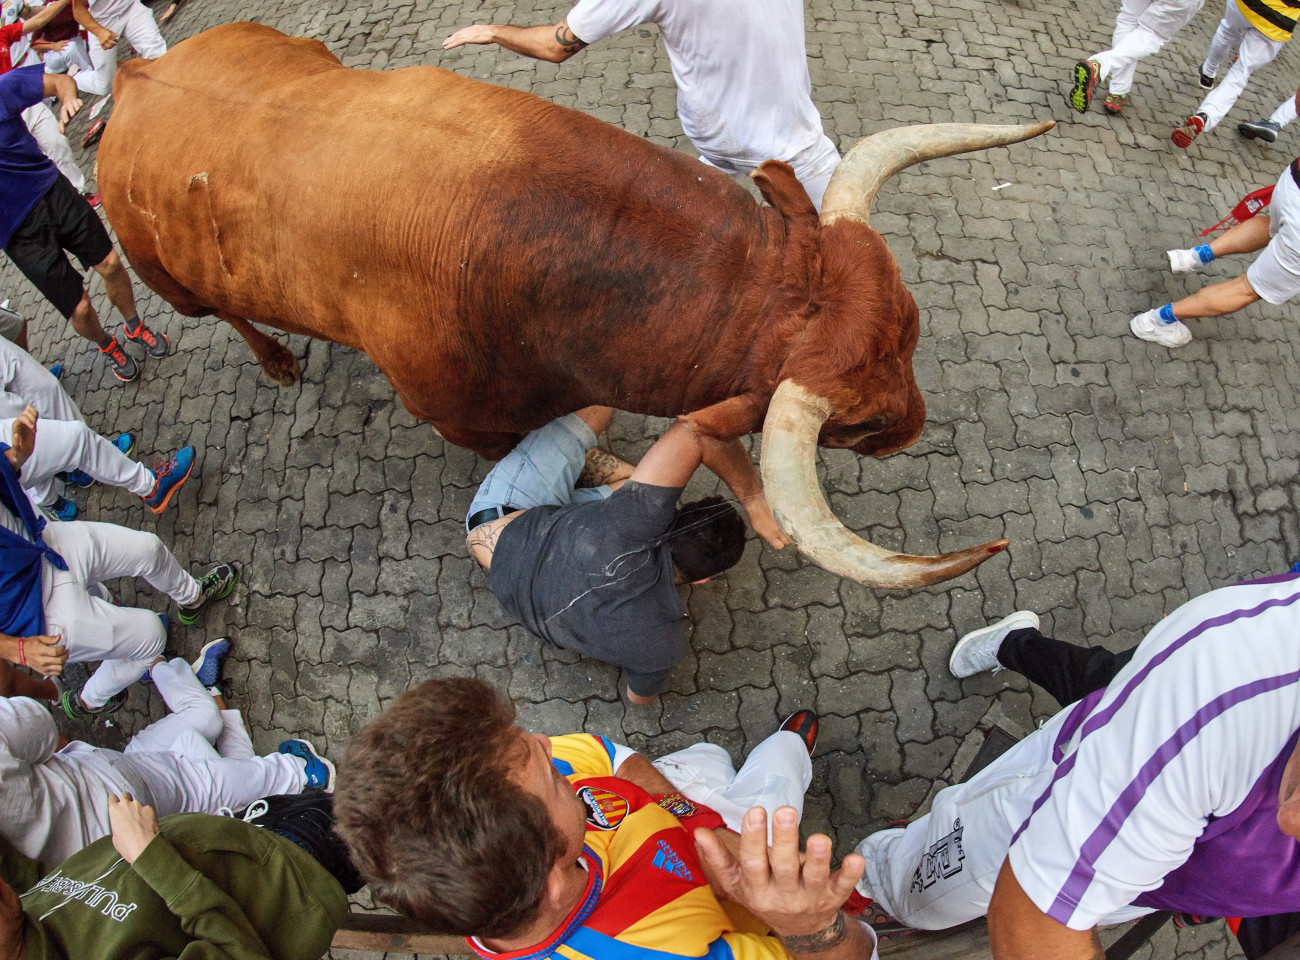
110	265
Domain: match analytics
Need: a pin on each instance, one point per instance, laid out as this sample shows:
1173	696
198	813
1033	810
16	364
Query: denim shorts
541	470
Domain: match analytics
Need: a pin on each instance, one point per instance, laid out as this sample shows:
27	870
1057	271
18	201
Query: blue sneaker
57	371
208	665
320	772
168	478
78	478
125	442
64	509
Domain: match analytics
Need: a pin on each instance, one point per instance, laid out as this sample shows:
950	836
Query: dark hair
707	538
434	821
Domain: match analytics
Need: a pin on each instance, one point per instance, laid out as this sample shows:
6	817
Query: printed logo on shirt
92	894
667	860
943	859
605	810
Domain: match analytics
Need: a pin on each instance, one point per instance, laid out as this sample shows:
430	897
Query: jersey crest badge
605	810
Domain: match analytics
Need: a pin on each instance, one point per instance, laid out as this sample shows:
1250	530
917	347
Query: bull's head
861	395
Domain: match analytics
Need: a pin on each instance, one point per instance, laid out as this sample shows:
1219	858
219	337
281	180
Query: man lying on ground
596	569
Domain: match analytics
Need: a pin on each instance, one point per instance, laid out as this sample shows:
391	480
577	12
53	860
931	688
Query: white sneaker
1184	261
978	650
1149	326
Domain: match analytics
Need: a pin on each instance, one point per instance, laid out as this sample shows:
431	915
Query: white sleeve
1181	736
621	755
27	731
592	20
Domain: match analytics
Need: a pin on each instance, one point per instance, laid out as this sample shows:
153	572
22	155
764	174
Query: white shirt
1126	782
743	90
54	803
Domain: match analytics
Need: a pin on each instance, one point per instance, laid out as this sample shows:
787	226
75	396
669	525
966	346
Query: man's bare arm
554	44
1018	930
39	20
81	13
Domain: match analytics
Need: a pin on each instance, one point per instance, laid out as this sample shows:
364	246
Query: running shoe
213	585
125	442
1266	130
168	478
123	367
1115	103
320	772
803	724
155	343
1189	131
63	509
1086	73
208	665
75	708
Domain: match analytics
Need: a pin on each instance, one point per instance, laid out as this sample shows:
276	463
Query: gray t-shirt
597	577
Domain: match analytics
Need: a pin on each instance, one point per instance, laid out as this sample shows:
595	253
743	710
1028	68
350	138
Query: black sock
108	338
133	322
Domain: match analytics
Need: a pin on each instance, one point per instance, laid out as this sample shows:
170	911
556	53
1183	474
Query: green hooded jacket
206	888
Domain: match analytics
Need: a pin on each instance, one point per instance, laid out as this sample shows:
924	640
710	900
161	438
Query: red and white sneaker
1189	131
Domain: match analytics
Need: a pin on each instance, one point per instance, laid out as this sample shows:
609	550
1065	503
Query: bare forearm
642	772
81	13
1019	930
842	939
9	648
537	42
39	20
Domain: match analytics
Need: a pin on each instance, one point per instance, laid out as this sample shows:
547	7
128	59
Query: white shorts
1275	274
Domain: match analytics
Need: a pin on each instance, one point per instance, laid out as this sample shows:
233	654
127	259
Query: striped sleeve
1179	737
583	754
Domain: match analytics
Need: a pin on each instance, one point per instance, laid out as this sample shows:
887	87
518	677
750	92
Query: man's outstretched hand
479	33
24	439
133	824
795	894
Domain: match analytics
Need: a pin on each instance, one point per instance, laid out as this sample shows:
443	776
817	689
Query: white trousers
126	639
1285	112
1142	27
1254	50
136	27
44	126
23	380
940	871
812	165
198	758
63	445
776	774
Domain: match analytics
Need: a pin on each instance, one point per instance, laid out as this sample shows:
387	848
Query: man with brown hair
524	843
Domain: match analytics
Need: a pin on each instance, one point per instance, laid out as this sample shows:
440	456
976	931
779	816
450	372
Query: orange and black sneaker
156	344
123	367
803	725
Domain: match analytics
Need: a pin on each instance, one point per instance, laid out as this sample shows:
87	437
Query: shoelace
115	353
164	469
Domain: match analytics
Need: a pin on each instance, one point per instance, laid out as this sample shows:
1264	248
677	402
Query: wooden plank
384	933
970	941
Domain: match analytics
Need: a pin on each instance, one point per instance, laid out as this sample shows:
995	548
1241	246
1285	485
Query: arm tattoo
819	942
601	467
485	535
565	38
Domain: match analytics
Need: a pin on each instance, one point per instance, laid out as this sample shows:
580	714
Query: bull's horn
789	466
873	160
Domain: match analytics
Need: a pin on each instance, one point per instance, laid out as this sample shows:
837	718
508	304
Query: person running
1268	130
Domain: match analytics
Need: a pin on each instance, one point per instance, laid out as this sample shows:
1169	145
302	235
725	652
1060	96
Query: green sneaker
76	709
213	585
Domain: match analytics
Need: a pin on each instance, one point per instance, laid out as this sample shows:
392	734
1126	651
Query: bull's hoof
283	368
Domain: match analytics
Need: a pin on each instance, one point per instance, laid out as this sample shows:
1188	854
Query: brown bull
505	260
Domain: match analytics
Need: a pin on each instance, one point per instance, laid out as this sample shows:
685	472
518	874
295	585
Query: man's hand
797	896
45	655
133	824
65	88
24	439
479	33
107	38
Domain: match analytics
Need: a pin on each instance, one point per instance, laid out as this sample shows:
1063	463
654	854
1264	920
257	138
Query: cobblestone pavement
1126	480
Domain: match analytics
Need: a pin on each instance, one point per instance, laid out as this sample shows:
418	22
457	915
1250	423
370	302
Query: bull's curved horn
789	466
874	159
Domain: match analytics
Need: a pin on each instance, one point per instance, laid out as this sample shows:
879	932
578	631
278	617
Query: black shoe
1266	130
803	724
213	585
76	709
1207	81
123	367
155	343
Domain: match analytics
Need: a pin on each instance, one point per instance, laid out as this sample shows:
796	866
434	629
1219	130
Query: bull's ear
779	186
730	418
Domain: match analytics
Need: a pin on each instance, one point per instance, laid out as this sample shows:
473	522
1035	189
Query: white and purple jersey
1162	789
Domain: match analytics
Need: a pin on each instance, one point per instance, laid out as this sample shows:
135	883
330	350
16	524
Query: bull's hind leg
276	360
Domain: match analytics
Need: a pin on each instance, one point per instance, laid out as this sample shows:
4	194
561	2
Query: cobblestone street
1127	478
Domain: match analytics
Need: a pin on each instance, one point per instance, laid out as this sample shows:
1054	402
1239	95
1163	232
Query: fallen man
596	569
1175	787
572	846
